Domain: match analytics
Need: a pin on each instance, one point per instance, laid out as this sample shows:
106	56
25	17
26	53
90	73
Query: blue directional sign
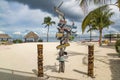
74	27
71	26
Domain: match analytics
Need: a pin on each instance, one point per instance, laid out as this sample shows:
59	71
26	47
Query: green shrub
40	40
71	38
116	45
4	40
17	41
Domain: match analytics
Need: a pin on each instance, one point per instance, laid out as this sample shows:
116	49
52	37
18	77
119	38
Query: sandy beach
23	59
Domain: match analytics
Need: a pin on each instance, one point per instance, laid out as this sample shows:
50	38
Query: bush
17	41
4	40
71	38
40	40
117	44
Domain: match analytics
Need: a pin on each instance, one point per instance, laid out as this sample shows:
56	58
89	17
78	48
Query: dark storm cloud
48	6
44	5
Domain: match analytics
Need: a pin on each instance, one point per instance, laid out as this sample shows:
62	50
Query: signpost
40	60
63	34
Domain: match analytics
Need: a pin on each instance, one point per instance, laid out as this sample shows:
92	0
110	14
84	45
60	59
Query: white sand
23	57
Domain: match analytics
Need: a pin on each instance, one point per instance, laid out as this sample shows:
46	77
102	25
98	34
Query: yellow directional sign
59	35
63	45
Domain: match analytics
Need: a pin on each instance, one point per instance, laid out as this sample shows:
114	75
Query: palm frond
118	4
92	28
53	22
99	18
84	5
48	22
46	26
47	19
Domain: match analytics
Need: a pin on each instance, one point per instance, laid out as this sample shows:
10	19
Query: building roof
31	35
4	36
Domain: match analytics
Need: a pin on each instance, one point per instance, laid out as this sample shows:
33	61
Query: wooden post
91	61
40	60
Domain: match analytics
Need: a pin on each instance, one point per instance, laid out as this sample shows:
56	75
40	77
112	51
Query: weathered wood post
91	61
40	60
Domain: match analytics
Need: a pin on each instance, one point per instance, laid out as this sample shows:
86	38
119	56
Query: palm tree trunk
48	34
90	35
100	38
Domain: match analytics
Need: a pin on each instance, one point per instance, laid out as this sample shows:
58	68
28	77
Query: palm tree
48	22
98	19
84	3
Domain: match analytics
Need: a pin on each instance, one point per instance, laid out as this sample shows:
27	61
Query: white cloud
17	33
2	32
21	19
23	15
94	33
17	18
72	6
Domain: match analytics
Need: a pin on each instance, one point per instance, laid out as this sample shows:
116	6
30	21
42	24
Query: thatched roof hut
4	37
31	37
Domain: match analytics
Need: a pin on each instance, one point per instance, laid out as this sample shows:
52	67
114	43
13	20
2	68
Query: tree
84	3
48	22
99	19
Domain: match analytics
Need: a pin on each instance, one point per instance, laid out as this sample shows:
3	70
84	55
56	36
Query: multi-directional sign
64	34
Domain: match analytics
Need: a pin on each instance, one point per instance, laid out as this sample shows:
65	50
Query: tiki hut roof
31	35
5	36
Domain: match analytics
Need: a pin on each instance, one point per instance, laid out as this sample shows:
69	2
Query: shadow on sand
107	46
115	68
72	53
113	55
53	68
114	62
8	74
80	72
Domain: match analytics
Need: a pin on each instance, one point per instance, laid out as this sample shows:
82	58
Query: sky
18	17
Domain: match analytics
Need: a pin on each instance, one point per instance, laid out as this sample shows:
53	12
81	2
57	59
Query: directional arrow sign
72	27
58	11
63	21
59	35
63	45
67	28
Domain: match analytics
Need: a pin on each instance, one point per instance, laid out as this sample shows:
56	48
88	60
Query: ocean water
54	39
